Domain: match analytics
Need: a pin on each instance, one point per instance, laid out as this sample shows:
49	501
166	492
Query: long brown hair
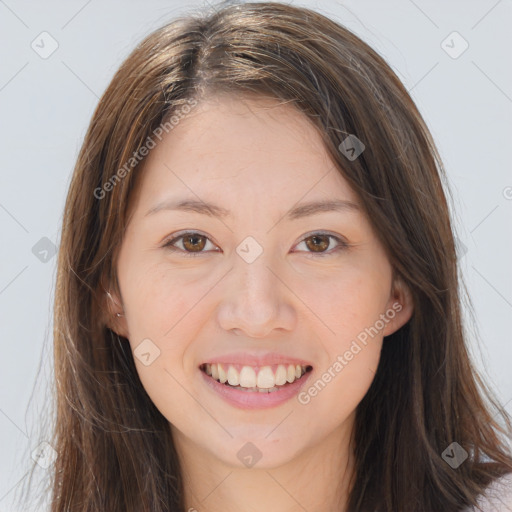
114	448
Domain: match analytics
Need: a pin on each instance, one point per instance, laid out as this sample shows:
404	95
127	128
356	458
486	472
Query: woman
257	300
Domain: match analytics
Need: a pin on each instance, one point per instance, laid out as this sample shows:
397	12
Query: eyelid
342	243
167	244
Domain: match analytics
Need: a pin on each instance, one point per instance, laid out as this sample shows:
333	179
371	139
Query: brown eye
192	243
317	243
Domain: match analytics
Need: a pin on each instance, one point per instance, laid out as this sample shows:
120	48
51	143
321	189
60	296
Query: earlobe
400	307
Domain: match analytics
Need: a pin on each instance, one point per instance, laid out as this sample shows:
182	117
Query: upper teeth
247	377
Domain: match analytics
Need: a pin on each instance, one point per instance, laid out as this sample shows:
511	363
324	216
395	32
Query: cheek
334	399
167	306
341	382
160	299
165	309
344	301
351	308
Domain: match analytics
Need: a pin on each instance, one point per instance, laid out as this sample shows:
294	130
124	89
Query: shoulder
497	497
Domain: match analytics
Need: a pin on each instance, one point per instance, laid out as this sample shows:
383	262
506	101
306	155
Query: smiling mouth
264	379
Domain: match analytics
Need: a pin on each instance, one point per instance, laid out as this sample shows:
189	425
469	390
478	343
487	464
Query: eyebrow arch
212	210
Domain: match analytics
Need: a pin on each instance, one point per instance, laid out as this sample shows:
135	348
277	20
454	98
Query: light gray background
46	105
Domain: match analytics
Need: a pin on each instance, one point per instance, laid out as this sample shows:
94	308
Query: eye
193	243
319	243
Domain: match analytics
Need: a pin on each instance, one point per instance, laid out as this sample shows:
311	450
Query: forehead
243	150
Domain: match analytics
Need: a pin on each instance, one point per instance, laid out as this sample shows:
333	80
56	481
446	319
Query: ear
399	308
113	315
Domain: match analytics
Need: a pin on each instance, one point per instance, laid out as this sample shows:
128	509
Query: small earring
114	302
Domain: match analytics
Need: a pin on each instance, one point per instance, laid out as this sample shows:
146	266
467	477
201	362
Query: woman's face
263	287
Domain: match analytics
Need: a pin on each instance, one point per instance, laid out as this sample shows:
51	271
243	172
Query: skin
256	158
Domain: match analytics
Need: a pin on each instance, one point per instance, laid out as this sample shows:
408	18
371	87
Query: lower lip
255	399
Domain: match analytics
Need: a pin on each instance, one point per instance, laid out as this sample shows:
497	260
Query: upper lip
263	359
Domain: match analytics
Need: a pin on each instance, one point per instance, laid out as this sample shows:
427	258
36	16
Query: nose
256	300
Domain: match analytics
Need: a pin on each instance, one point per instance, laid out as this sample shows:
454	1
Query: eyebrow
300	211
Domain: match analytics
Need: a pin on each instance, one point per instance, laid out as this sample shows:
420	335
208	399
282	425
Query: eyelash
341	244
